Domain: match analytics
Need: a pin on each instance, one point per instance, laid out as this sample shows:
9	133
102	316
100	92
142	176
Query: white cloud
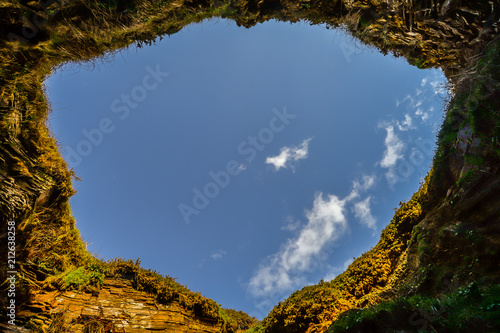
334	271
430	86
326	223
399	102
366	183
288	155
363	212
436	81
393	153
393	149
218	254
420	113
406	124
412	101
424	81
291	224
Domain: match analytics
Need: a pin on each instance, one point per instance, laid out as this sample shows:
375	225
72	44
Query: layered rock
117	307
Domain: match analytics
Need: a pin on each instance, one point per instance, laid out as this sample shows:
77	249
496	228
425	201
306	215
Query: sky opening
245	163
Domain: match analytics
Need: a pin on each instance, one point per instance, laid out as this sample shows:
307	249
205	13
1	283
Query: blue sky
245	163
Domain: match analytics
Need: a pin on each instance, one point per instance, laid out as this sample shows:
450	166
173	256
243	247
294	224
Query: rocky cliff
116	307
447	232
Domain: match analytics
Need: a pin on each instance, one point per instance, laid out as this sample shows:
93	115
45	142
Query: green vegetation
467	309
83	277
258	328
467	231
477	104
474	160
424	248
240	320
466	178
165	288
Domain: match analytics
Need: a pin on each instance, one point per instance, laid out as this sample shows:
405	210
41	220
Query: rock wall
117	307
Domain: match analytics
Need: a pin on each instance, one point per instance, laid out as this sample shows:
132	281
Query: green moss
420	63
166	289
478	98
259	328
83	277
471	308
240	321
424	249
474	160
466	178
467	232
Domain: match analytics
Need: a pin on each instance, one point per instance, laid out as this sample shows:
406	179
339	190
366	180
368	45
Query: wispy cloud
326	223
363	212
393	149
423	114
415	103
365	183
218	254
291	224
288	155
417	108
406	124
406	98
393	152
411	101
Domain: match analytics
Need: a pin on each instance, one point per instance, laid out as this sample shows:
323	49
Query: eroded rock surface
117	307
